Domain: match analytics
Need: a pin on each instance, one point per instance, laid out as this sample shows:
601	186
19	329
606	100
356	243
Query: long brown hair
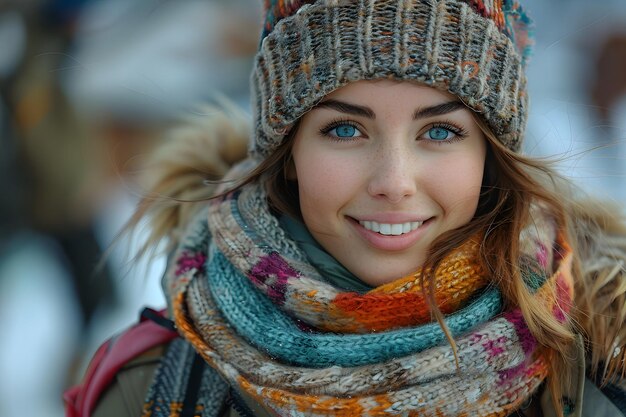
512	185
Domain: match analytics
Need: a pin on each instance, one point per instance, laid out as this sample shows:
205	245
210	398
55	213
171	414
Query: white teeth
387	229
396	229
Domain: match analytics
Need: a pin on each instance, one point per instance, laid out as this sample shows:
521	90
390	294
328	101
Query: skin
371	151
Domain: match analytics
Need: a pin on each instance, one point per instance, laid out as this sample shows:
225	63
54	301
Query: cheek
456	184
324	183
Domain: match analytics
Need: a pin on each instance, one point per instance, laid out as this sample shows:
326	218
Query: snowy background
158	56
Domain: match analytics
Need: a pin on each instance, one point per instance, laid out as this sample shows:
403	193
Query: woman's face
384	168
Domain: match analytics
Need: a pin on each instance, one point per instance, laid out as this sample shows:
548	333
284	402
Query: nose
393	174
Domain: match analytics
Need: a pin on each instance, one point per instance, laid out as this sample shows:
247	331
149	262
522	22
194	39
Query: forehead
400	90
392	101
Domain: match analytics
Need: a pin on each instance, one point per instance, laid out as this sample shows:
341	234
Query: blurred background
89	86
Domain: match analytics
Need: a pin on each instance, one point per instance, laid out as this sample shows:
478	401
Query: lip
390	242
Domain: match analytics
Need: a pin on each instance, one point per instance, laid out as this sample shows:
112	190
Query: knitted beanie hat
474	49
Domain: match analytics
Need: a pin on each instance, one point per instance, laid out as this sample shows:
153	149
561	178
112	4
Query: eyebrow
348	108
420	113
438	110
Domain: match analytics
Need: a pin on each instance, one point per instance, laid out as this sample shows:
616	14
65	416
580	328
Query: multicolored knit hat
474	49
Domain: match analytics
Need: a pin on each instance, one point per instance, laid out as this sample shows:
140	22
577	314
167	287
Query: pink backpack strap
153	330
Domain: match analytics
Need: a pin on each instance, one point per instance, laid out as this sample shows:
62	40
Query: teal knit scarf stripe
253	316
490	349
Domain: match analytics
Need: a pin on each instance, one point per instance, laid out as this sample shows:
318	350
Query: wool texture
475	49
166	395
242	293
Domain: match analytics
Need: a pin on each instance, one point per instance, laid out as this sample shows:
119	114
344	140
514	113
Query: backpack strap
154	329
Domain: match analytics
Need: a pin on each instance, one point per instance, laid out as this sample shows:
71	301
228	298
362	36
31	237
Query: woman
385	250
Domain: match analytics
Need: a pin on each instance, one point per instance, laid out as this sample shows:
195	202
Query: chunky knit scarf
243	294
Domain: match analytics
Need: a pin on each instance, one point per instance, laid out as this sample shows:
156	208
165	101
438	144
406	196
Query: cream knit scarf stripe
237	314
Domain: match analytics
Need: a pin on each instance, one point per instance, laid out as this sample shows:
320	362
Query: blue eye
440	133
345	131
341	131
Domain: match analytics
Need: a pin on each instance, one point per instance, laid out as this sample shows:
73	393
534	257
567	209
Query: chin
385	277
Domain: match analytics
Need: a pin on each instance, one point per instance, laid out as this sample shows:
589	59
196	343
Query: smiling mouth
390	229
